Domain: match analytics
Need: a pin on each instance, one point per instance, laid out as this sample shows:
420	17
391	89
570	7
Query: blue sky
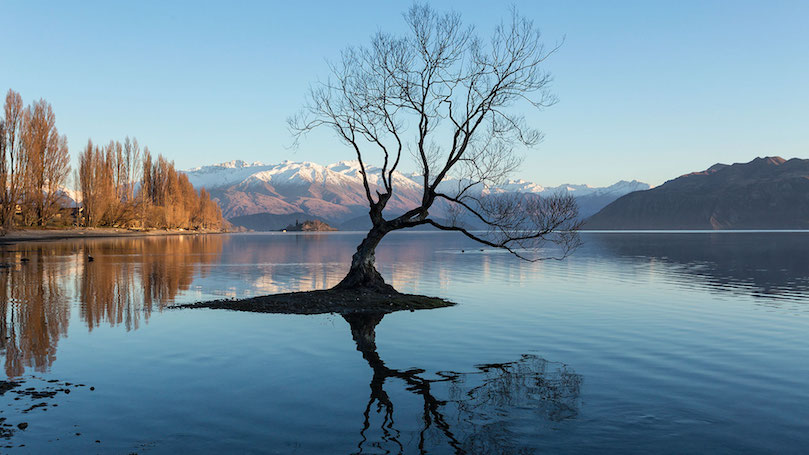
648	90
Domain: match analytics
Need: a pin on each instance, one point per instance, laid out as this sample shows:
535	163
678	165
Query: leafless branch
455	102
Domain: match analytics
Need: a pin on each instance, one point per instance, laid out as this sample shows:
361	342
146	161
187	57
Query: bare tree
132	166
146	185
47	163
108	178
11	158
96	184
452	100
78	196
169	200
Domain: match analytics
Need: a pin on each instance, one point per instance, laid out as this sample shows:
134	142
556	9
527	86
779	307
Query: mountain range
270	196
766	193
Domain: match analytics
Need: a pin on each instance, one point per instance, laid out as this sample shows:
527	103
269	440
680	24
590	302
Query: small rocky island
308	226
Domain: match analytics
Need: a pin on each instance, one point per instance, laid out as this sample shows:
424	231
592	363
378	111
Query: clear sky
648	90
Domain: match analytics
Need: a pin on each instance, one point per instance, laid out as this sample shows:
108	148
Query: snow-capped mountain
335	192
524	186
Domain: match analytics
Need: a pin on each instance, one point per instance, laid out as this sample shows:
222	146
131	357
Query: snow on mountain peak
308	184
346	165
348	171
521	186
335	191
236	164
233	164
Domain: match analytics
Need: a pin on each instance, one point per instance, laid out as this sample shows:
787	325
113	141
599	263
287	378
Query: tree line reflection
130	278
35	316
116	281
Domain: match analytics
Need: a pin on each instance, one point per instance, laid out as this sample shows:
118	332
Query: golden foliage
34	165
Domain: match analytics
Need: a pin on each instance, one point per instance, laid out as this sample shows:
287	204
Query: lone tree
452	101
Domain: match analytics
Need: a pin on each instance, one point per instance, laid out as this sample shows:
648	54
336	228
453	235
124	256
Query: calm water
663	343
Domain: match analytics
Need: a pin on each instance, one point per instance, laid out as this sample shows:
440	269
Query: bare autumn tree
47	163
96	183
146	185
79	196
208	215
132	167
108	177
34	168
453	101
11	158
4	204
169	200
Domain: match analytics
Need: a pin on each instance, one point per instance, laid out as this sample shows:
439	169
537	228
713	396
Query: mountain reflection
764	265
309	261
481	412
124	282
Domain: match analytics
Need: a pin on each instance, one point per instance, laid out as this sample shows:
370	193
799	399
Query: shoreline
37	235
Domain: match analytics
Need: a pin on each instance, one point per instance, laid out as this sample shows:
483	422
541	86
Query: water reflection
481	410
672	374
128	279
122	284
35	315
763	265
304	262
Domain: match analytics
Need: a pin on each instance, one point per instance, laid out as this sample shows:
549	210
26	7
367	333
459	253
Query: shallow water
664	343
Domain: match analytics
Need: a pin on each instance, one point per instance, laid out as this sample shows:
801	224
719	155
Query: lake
637	343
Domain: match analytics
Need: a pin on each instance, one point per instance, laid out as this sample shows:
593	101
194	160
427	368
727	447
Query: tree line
117	185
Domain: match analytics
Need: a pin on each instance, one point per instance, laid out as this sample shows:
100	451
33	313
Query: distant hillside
766	193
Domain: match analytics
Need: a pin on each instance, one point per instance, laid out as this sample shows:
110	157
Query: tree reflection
126	280
479	409
35	316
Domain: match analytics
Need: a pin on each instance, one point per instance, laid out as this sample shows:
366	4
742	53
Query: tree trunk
363	273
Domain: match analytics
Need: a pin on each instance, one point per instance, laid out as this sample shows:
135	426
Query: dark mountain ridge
766	193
